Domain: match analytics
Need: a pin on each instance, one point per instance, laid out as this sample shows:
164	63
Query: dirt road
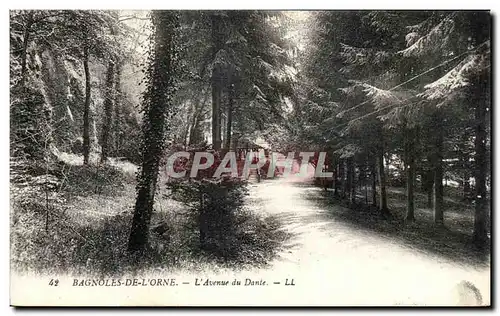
337	263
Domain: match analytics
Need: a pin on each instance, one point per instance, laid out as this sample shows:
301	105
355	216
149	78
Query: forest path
335	261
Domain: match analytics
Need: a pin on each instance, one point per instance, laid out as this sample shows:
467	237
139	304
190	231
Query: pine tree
467	84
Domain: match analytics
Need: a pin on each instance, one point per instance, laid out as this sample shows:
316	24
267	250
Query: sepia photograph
336	158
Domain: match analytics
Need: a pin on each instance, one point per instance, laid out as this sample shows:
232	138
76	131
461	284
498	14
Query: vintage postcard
250	158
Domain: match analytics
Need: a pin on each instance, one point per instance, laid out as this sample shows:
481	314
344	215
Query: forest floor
355	256
81	224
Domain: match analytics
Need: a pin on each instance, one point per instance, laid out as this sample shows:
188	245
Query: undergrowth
52	234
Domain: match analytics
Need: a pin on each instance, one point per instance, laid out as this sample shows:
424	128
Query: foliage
393	81
49	43
215	204
254	61
31	124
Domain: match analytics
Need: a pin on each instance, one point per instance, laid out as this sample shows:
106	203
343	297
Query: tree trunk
192	130
427	176
332	167
217	40
381	179
195	117
463	178
410	176
352	181
24	52
466	190
365	181
374	182
336	179
438	177
481	168
117	135
216	121
235	146
185	134
108	111
348	180
229	121
86	110
160	73
342	182
429	199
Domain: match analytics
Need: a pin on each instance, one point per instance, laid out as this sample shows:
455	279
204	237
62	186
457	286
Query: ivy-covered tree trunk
410	176
157	104
108	111
481	96
86	109
438	177
217	42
